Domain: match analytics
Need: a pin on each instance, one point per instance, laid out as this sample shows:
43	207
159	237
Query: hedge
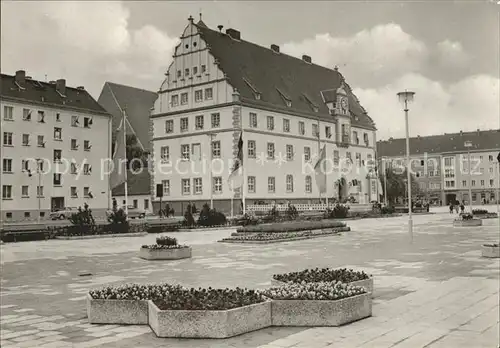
291	226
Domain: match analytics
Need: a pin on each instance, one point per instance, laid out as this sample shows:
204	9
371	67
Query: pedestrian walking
451	208
462	207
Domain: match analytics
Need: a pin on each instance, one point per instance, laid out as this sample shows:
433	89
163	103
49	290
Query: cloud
380	54
84	42
466	105
451	54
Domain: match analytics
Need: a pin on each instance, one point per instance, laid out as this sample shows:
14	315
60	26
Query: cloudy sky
448	53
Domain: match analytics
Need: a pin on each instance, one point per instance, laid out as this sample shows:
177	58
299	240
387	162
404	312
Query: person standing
462	207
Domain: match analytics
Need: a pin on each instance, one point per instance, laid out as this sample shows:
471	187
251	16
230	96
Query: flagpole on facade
319	153
124	124
243	164
326	177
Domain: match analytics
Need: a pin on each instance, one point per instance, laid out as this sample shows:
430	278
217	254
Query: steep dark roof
443	143
137	184
137	102
45	93
271	73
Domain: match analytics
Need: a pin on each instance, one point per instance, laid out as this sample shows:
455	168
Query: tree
133	151
396	185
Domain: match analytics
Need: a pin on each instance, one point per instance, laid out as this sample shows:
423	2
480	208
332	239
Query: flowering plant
166	240
278	236
322	275
208	299
132	292
160	246
326	291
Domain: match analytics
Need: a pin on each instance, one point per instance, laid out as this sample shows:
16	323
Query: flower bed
209	313
265	238
96	231
318	304
490	250
344	275
296	226
484	214
166	248
124	304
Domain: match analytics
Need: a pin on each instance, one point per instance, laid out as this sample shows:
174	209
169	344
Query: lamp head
406	96
468	144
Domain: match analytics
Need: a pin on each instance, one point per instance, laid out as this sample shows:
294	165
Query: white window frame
27	193
302	128
6	191
252	121
184	98
251	184
289	152
57	133
186	186
252	149
307	153
215	120
199	122
270	122
9	136
198	186
184	124
209	93
271	151
271	184
185	154
217	185
289	183
74	192
8	113
198	95
26	139
216	149
286	125
165	154
174	100
86	169
39	191
7	164
169	126
308	184
166	187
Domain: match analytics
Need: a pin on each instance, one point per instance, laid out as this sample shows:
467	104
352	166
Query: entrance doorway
57	203
451	198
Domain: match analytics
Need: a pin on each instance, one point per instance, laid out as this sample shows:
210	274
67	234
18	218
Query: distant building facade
219	87
54	139
441	164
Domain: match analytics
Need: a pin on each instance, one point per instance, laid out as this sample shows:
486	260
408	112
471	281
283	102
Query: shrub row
291	226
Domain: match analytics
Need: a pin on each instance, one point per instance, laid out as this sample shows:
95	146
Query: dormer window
256	92
195	70
186	72
286	99
179	74
87	122
203	68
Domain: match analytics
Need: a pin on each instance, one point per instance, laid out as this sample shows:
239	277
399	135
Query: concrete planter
133	312
96	236
468	223
165	254
320	313
209	324
365	283
490	251
486	216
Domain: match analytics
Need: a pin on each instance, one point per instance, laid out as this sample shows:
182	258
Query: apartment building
53	140
441	164
219	88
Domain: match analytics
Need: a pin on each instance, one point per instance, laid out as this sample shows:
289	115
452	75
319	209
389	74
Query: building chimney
20	77
306	59
80	88
220	26
61	86
235	34
275	48
52	82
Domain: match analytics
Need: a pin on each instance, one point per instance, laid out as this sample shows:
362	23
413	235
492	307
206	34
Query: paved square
436	292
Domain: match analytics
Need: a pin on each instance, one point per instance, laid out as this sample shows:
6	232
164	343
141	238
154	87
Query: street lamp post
385	181
468	145
211	147
38	193
405	98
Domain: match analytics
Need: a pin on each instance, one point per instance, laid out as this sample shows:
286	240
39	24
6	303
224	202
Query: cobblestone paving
436	292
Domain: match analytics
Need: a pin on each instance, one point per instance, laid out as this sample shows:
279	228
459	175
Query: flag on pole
235	179
320	170
118	175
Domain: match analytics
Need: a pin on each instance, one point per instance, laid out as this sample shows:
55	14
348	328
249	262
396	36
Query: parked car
132	212
63	213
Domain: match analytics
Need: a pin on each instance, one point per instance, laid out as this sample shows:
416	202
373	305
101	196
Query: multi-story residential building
446	178
220	87
53	140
